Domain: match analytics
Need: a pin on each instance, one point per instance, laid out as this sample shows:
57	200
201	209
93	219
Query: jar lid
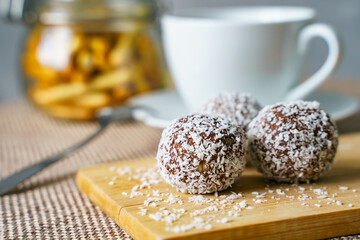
60	12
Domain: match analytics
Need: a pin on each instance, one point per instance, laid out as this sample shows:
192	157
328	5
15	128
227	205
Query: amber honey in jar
84	55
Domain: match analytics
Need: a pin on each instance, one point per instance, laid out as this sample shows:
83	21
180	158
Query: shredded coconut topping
201	153
292	142
224	220
170	210
238	107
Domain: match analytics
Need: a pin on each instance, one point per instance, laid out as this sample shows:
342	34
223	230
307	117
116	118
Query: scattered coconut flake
261	195
165	216
174	199
233	213
111	183
135	192
224	220
301	188
199	199
304	197
142	212
211	208
322	196
280	192
242	204
350	205
207	226
151	200
234	196
317	205
319	191
180	228
187	227
343	188
179	210
156	193
157	216
198	220
259	200
339	203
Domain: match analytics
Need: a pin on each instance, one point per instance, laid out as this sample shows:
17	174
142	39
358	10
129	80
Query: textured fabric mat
49	205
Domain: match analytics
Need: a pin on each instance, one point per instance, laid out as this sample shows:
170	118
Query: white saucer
159	108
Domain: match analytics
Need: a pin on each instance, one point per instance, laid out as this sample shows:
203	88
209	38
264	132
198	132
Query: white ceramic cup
259	50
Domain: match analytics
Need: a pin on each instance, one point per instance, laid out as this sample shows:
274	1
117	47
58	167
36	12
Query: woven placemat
49	205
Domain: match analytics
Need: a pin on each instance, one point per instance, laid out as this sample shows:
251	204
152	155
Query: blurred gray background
344	16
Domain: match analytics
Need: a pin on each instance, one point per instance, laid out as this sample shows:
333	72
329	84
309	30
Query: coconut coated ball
293	142
201	153
238	107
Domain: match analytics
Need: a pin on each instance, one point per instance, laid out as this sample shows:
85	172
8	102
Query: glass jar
84	55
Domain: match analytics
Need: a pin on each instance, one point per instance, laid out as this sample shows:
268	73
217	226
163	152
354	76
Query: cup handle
328	34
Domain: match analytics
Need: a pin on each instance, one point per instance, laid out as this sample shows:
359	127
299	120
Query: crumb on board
224	220
233	213
339	203
219	207
259	200
280	192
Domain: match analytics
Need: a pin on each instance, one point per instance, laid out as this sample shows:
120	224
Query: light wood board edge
133	227
286	229
321	225
341	223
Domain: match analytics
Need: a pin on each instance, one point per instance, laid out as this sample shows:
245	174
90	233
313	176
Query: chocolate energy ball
238	107
201	153
293	142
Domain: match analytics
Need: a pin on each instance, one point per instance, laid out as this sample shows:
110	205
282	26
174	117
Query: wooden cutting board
327	208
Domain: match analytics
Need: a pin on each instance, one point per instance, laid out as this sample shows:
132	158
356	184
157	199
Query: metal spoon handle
18	177
105	116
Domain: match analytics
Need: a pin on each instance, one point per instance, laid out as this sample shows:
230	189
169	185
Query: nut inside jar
72	73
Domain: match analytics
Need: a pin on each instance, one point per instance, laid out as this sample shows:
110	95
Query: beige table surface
49	205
